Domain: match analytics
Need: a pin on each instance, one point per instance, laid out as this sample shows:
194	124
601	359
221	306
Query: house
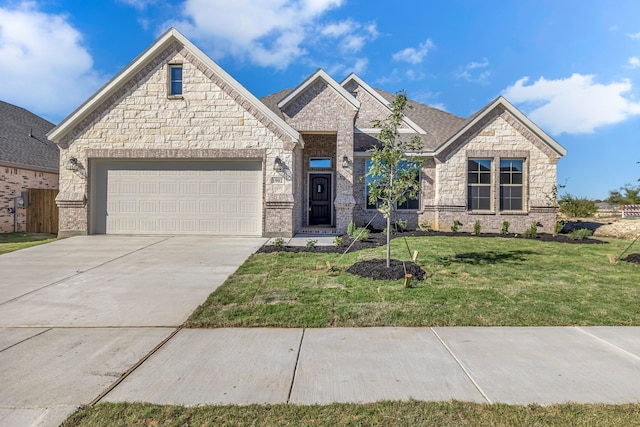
174	145
28	161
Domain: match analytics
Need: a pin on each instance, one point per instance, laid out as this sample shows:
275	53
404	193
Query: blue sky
572	66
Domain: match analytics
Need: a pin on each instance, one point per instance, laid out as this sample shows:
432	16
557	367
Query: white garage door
218	198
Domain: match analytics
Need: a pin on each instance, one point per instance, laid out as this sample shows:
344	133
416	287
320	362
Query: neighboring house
174	145
28	161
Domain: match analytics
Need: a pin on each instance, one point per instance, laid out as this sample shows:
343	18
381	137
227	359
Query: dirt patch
619	228
634	258
377	269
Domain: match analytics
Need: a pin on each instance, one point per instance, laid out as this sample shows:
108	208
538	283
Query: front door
320	199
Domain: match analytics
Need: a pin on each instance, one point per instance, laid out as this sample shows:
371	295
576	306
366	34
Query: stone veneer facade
211	120
13	181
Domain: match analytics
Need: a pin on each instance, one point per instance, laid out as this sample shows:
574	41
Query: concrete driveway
77	313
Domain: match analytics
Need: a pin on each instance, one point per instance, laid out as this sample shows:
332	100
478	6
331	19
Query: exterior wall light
345	162
72	164
278	165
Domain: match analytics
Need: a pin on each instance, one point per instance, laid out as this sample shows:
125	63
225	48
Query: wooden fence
42	211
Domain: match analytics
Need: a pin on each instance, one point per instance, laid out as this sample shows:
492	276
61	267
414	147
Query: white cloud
414	55
338	29
468	73
573	105
49	70
634	62
268	33
635	36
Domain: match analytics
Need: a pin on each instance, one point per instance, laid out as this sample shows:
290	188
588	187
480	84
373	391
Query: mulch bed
377	239
634	258
377	269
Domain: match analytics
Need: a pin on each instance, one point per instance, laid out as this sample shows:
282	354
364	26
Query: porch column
344	202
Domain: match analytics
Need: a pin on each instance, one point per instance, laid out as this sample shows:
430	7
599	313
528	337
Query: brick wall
13	181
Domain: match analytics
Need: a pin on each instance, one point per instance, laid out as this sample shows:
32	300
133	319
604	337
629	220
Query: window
175	80
479	180
412	204
511	185
320	163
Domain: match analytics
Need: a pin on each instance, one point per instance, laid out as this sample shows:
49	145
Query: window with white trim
511	184
175	80
479	184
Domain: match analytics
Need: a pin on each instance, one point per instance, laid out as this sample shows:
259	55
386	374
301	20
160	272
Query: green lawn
470	281
373	414
10	242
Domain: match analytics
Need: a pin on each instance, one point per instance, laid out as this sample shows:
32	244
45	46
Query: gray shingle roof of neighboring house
438	124
23	141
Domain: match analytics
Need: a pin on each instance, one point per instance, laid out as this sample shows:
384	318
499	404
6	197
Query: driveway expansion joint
620	349
134	367
25	340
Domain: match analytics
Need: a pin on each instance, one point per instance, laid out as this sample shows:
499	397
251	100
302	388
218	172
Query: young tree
392	177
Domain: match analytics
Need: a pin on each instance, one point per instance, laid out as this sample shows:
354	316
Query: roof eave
319	74
559	149
381	99
141	61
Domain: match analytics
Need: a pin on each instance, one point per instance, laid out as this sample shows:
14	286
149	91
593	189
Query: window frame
503	186
171	81
471	186
398	207
330	167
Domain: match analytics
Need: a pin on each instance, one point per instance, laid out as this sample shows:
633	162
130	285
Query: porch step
318	231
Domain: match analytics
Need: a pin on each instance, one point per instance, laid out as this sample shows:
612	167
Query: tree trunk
389	240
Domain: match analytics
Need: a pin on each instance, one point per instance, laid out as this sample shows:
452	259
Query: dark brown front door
320	199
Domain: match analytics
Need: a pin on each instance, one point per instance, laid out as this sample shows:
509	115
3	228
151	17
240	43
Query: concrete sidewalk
309	366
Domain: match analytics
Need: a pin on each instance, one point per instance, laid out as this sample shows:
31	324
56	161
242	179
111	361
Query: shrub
581	234
476	227
338	241
351	228
361	233
278	241
558	227
311	243
456	226
574	207
425	226
401	225
531	232
505	227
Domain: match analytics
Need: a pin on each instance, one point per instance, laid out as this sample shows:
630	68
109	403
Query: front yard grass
470	281
373	414
10	242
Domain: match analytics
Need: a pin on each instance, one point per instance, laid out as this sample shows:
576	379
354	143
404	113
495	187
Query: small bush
361	233
338	241
278	241
311	243
351	228
401	225
574	207
425	226
558	227
505	227
581	234
532	232
456	226
477	227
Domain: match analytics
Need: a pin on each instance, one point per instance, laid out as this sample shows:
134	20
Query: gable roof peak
375	94
163	42
319	74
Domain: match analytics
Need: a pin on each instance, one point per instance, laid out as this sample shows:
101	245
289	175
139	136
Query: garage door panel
222	198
